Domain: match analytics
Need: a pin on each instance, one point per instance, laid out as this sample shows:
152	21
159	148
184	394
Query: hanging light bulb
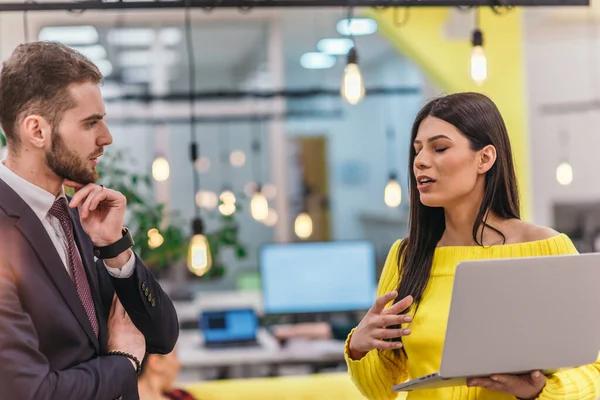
353	88
155	239
160	169
478	59
303	225
227	209
564	173
392	195
199	260
259	207
227	196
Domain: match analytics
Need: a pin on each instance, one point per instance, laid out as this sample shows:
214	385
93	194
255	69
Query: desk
194	356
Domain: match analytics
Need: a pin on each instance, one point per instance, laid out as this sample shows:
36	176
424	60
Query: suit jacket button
153	302
146	291
143	285
150	298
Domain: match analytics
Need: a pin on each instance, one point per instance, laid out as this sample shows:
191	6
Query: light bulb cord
192	99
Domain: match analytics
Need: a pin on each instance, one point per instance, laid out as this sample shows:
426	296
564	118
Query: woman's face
446	169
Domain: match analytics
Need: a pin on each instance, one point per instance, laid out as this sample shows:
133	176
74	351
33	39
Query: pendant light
353	88
199	260
259	206
564	170
303	224
392	194
478	59
227	197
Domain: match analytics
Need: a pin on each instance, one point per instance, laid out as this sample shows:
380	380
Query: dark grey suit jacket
48	350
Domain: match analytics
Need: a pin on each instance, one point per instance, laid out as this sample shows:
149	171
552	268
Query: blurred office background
300	192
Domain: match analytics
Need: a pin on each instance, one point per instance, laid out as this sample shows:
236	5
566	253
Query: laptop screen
228	325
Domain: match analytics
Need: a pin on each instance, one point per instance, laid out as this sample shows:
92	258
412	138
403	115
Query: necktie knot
60	210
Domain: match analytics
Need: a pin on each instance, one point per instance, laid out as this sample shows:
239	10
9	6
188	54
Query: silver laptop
513	316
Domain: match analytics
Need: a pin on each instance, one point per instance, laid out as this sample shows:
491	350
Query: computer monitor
314	277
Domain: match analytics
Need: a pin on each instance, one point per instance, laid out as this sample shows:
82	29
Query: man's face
80	137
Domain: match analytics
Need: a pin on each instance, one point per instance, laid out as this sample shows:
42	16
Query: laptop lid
521	314
228	326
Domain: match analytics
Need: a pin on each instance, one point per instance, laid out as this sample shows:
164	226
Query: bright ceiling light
94	52
144	58
170	36
357	27
336	46
70	35
317	60
104	66
132	36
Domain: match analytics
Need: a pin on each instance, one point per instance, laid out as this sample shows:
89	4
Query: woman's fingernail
407	319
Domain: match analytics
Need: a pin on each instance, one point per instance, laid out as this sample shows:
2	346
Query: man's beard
67	164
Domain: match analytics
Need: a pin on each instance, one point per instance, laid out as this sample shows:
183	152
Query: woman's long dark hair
479	120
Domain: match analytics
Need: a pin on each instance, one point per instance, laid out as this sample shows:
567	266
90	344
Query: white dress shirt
40	202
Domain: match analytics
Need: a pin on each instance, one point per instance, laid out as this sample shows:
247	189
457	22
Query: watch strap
113	250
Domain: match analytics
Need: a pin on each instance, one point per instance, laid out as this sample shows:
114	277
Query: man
71	327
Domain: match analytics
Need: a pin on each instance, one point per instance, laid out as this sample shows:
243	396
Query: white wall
562	63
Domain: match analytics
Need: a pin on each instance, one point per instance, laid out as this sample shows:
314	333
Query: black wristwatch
113	250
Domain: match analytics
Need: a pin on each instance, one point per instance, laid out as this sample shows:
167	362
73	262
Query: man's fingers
119	309
81	195
381	302
92	201
113	305
399	306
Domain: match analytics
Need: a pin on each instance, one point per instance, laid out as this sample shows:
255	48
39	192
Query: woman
159	372
464	206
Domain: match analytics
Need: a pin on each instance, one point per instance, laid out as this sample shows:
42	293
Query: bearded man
78	308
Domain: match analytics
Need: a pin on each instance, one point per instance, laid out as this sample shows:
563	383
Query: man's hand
123	334
101	210
528	386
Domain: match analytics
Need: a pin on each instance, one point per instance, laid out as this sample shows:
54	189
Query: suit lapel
85	249
34	232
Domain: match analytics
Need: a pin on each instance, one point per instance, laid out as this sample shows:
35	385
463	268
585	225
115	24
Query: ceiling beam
249	4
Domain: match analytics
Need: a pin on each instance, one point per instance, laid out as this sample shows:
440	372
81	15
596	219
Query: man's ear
487	158
36	130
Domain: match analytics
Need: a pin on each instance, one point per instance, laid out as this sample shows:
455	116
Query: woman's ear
487	158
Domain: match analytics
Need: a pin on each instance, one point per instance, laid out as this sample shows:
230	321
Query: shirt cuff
126	271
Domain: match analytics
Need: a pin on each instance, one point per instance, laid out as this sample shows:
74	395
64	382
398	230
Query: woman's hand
527	386
372	330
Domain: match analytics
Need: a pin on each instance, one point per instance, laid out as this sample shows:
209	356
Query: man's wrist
119	261
137	365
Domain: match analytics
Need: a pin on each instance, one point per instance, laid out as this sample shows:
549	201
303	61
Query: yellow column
446	61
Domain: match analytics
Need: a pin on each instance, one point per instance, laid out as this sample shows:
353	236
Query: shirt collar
37	198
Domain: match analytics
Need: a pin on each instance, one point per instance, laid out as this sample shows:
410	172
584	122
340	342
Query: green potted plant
145	214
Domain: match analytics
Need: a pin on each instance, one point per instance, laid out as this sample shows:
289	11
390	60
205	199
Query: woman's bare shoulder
529	232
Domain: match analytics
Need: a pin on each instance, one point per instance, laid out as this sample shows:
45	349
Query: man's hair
35	80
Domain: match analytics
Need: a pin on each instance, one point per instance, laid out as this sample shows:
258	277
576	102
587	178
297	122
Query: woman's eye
441	150
92	124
